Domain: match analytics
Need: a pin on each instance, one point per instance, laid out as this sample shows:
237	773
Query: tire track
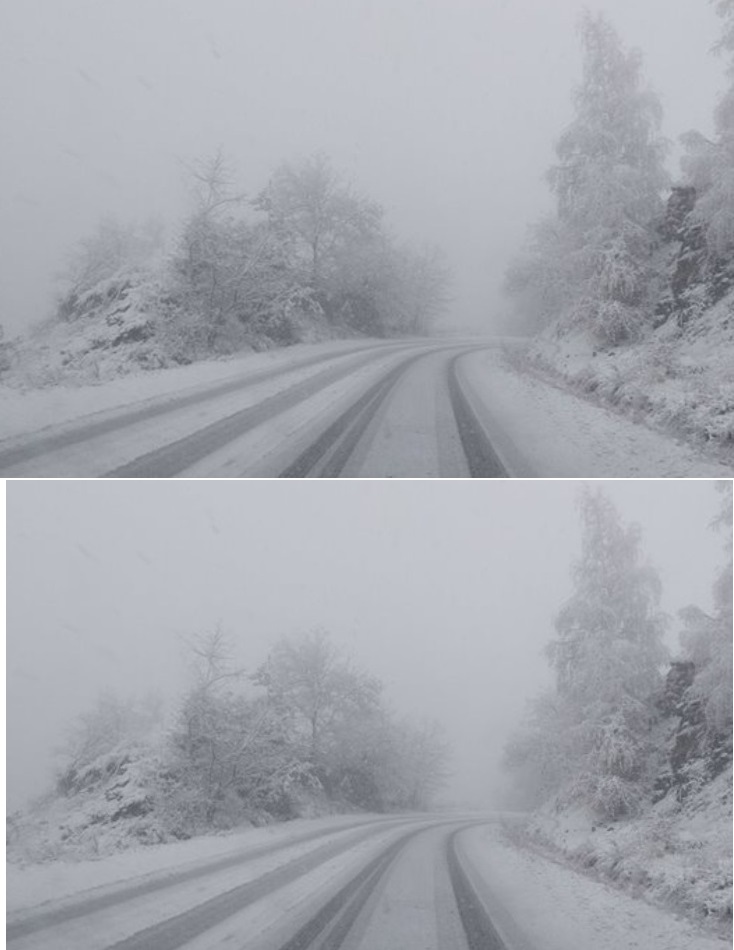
176	456
328	929
327	456
179	930
481	457
478	928
122	894
75	432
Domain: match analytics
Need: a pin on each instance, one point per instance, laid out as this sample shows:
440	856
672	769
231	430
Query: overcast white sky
444	589
445	111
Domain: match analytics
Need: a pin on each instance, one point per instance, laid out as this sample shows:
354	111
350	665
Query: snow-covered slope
537	903
675	854
108	807
679	379
126	324
124	799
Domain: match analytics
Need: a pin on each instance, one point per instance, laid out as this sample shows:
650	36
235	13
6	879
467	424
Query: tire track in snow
478	928
481	456
35	922
327	456
72	433
328	929
176	456
179	930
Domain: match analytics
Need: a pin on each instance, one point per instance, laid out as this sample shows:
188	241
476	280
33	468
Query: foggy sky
446	590
444	111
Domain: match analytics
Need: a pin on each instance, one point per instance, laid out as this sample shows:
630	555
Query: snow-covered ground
550	432
538	904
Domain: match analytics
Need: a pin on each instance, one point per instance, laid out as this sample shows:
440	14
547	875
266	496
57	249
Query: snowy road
392	883
405	883
427	409
386	410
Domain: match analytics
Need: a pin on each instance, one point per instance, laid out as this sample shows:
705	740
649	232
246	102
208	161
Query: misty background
444	590
445	113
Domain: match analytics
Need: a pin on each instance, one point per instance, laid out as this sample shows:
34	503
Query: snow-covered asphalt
426	409
404	883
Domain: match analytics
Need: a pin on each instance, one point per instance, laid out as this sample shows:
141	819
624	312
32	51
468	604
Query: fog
444	590
443	112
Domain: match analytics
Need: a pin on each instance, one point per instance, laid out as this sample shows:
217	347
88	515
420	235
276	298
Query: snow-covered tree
356	749
210	260
229	752
591	264
589	738
608	656
317	690
316	216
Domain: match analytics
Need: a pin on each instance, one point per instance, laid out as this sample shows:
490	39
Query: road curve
392	410
387	884
418	420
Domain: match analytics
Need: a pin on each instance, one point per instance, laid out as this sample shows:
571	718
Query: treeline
306	257
308	732
623	727
621	253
